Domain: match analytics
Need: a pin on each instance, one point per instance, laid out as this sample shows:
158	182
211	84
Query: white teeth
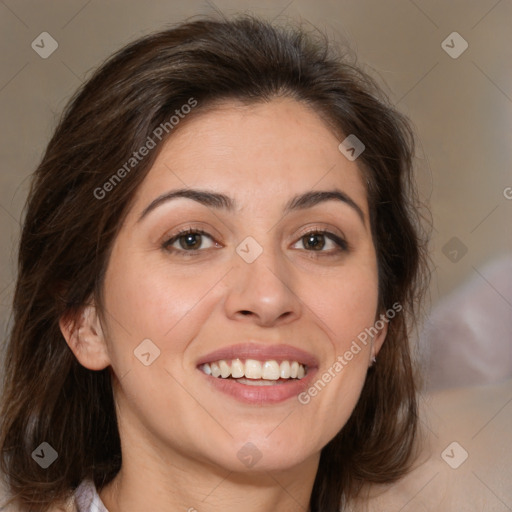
237	369
285	370
215	369
256	370
258	382
225	370
270	370
253	369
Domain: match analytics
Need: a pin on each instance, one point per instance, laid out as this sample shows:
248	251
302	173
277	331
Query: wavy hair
68	232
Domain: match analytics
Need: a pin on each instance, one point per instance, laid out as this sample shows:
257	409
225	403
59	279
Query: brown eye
188	240
318	240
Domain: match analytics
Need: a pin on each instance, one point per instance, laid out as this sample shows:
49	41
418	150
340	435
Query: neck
202	488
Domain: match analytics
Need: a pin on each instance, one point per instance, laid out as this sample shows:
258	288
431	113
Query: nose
262	292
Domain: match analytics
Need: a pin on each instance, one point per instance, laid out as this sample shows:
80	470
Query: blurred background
446	65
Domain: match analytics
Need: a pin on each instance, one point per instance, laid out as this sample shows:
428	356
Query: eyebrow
221	201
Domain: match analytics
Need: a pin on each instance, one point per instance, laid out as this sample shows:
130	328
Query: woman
218	272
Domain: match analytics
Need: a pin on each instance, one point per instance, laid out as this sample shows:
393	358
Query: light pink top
87	498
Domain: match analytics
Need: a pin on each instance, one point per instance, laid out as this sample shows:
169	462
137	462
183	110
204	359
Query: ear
379	338
86	339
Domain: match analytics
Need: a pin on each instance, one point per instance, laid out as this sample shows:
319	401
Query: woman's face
247	289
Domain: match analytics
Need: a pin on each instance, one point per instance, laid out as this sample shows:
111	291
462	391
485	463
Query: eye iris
190	237
312	239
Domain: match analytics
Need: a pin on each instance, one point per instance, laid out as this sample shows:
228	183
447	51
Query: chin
262	453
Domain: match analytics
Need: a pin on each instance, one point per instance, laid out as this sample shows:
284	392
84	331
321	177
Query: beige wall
462	108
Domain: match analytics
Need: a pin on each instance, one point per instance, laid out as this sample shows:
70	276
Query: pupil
192	238
313	241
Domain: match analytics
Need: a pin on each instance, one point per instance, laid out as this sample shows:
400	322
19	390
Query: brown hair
68	232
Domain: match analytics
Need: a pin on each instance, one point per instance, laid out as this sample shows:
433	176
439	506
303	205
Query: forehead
258	153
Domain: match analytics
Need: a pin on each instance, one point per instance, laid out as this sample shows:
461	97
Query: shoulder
466	455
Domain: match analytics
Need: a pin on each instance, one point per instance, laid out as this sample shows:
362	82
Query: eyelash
340	242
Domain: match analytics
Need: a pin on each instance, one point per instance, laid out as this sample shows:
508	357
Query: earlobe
378	341
84	336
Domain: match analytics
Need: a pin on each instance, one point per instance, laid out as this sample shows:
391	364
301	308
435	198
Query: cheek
346	304
335	391
145	299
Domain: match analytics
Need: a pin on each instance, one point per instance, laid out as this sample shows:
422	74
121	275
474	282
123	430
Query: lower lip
272	394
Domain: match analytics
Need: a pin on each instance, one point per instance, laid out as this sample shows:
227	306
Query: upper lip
260	352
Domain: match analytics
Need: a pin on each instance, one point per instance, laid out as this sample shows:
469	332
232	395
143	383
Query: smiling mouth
255	373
